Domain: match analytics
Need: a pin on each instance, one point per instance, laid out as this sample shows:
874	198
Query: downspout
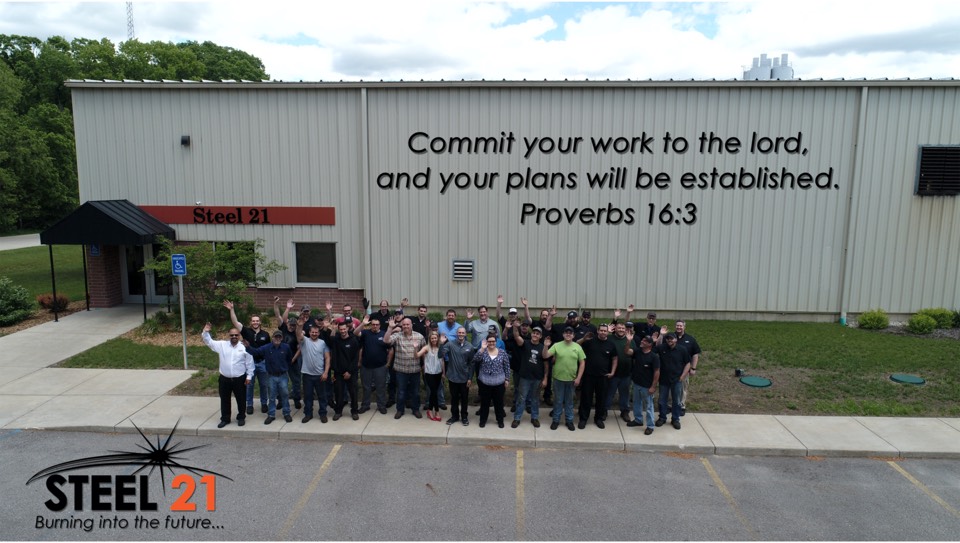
845	264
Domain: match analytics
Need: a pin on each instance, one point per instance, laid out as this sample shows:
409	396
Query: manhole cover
907	379
754	381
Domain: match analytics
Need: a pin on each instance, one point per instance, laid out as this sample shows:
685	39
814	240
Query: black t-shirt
600	354
644	367
255	339
689	343
345	353
290	338
582	329
672	362
513	350
531	361
374	349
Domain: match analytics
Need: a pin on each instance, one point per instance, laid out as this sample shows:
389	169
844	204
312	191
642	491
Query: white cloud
434	39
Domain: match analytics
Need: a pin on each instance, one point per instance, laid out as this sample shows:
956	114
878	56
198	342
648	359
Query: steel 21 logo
130	492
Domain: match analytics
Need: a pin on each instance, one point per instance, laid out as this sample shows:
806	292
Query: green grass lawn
816	369
30	268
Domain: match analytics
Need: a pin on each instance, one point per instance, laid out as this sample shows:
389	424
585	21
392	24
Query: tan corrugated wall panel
749	250
248	148
905	248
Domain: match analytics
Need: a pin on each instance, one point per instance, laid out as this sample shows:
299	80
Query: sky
354	40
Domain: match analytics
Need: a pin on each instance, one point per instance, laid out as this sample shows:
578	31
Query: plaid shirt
405	352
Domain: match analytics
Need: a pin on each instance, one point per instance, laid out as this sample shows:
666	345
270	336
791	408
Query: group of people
389	351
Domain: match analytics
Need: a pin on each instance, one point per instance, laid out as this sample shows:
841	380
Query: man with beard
600	367
236	371
277	358
373	364
674	367
689	343
256	337
458	361
288	327
315	369
345	361
645	373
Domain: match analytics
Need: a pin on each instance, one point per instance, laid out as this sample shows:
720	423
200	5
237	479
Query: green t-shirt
566	360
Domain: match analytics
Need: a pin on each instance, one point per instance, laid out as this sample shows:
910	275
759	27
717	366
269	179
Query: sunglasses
234	335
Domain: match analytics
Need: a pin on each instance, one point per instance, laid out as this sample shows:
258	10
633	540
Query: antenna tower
130	34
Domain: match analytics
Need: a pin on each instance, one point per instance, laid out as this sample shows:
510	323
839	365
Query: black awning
107	222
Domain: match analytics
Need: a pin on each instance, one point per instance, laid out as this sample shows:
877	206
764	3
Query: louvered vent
939	171
464	270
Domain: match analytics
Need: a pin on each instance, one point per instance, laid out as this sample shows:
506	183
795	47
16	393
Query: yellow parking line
729	497
311	488
924	488
520	513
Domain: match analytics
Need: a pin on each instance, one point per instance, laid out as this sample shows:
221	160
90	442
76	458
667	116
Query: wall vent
938	173
464	270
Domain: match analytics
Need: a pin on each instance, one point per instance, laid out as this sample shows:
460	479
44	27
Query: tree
225	62
157	60
224	271
96	59
38	166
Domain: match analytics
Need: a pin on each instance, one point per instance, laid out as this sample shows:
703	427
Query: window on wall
317	263
938	173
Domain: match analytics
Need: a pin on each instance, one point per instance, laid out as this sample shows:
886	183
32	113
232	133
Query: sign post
179	265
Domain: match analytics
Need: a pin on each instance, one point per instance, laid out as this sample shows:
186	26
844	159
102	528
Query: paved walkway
37	396
19	242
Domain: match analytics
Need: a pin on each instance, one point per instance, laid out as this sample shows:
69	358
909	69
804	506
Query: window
316	263
938	173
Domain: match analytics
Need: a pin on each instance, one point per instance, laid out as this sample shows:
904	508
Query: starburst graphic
162	456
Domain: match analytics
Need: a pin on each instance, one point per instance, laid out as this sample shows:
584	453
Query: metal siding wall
905	250
750	251
248	148
772	250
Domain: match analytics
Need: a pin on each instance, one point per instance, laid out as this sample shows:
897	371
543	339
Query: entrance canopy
104	222
107	222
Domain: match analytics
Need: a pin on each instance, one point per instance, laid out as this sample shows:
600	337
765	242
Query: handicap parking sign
179	263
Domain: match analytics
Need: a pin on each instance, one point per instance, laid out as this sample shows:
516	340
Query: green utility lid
754	381
907	379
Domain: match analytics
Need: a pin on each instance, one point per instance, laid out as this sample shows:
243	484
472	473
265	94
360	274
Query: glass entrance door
131	262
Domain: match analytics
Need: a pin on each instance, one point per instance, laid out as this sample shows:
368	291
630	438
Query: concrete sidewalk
19	242
37	396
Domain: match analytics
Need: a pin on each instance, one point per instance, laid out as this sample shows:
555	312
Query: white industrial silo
781	70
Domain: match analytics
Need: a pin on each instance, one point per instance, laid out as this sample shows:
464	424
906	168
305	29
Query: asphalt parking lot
309	490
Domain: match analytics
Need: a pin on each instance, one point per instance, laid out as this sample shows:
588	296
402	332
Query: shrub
956	319
921	324
875	319
15	304
46	301
943	316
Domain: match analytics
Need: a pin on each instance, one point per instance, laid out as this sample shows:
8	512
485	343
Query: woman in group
493	377
432	373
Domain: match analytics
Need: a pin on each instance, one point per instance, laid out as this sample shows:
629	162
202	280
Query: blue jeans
259	374
675	390
621	385
312	384
563	392
643	405
408	389
528	391
278	385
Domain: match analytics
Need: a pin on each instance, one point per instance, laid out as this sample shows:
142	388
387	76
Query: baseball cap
586	313
513	310
277	333
306	307
572	315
